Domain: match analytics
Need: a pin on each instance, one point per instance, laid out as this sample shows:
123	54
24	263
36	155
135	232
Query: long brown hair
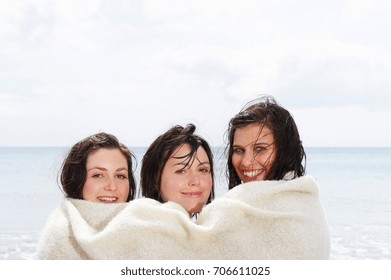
289	154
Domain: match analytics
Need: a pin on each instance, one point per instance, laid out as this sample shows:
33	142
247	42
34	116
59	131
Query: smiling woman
107	177
188	185
245	150
263	144
178	167
99	169
96	169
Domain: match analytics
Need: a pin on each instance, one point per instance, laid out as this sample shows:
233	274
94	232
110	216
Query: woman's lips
107	199
192	194
252	173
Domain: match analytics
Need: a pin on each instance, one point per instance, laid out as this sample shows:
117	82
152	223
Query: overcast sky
69	69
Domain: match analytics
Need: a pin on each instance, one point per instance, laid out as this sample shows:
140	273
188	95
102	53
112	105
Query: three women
284	217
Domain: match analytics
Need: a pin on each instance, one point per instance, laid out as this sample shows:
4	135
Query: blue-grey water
355	190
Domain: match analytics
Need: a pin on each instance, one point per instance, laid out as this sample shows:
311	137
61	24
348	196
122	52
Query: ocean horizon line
223	146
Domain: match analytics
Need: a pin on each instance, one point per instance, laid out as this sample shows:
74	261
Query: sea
354	183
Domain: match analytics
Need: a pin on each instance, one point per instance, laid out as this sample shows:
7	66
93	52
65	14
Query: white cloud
137	67
362	9
307	69
348	126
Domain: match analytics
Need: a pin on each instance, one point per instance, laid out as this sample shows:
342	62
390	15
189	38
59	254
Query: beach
354	188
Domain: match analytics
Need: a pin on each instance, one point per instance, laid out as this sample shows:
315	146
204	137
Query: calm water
355	189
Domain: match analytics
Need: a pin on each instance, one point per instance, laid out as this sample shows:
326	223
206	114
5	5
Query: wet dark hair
289	151
161	150
73	170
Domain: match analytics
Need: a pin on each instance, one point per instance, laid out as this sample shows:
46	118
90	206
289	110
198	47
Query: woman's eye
238	150
97	175
205	170
260	148
122	176
180	171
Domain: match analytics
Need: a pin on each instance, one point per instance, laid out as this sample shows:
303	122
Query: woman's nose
110	184
193	179
248	159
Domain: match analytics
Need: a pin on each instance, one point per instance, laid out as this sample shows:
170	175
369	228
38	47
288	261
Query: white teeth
252	173
108	199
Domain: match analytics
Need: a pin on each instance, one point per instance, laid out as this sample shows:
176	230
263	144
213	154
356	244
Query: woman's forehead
253	133
185	150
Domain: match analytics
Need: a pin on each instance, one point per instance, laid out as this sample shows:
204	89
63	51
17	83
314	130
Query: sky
69	69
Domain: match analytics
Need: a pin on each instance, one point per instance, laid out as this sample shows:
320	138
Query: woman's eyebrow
97	167
104	169
122	168
261	143
179	163
237	146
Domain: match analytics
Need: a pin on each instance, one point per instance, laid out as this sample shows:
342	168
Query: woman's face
253	152
107	177
189	186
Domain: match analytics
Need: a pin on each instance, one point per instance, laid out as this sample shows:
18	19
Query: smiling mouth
107	199
252	174
192	194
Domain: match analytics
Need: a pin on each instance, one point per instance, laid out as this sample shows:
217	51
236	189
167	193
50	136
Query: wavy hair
289	154
73	170
161	150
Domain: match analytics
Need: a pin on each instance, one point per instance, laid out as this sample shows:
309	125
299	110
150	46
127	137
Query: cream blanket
257	220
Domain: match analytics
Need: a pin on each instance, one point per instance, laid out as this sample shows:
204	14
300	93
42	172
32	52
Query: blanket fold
257	220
